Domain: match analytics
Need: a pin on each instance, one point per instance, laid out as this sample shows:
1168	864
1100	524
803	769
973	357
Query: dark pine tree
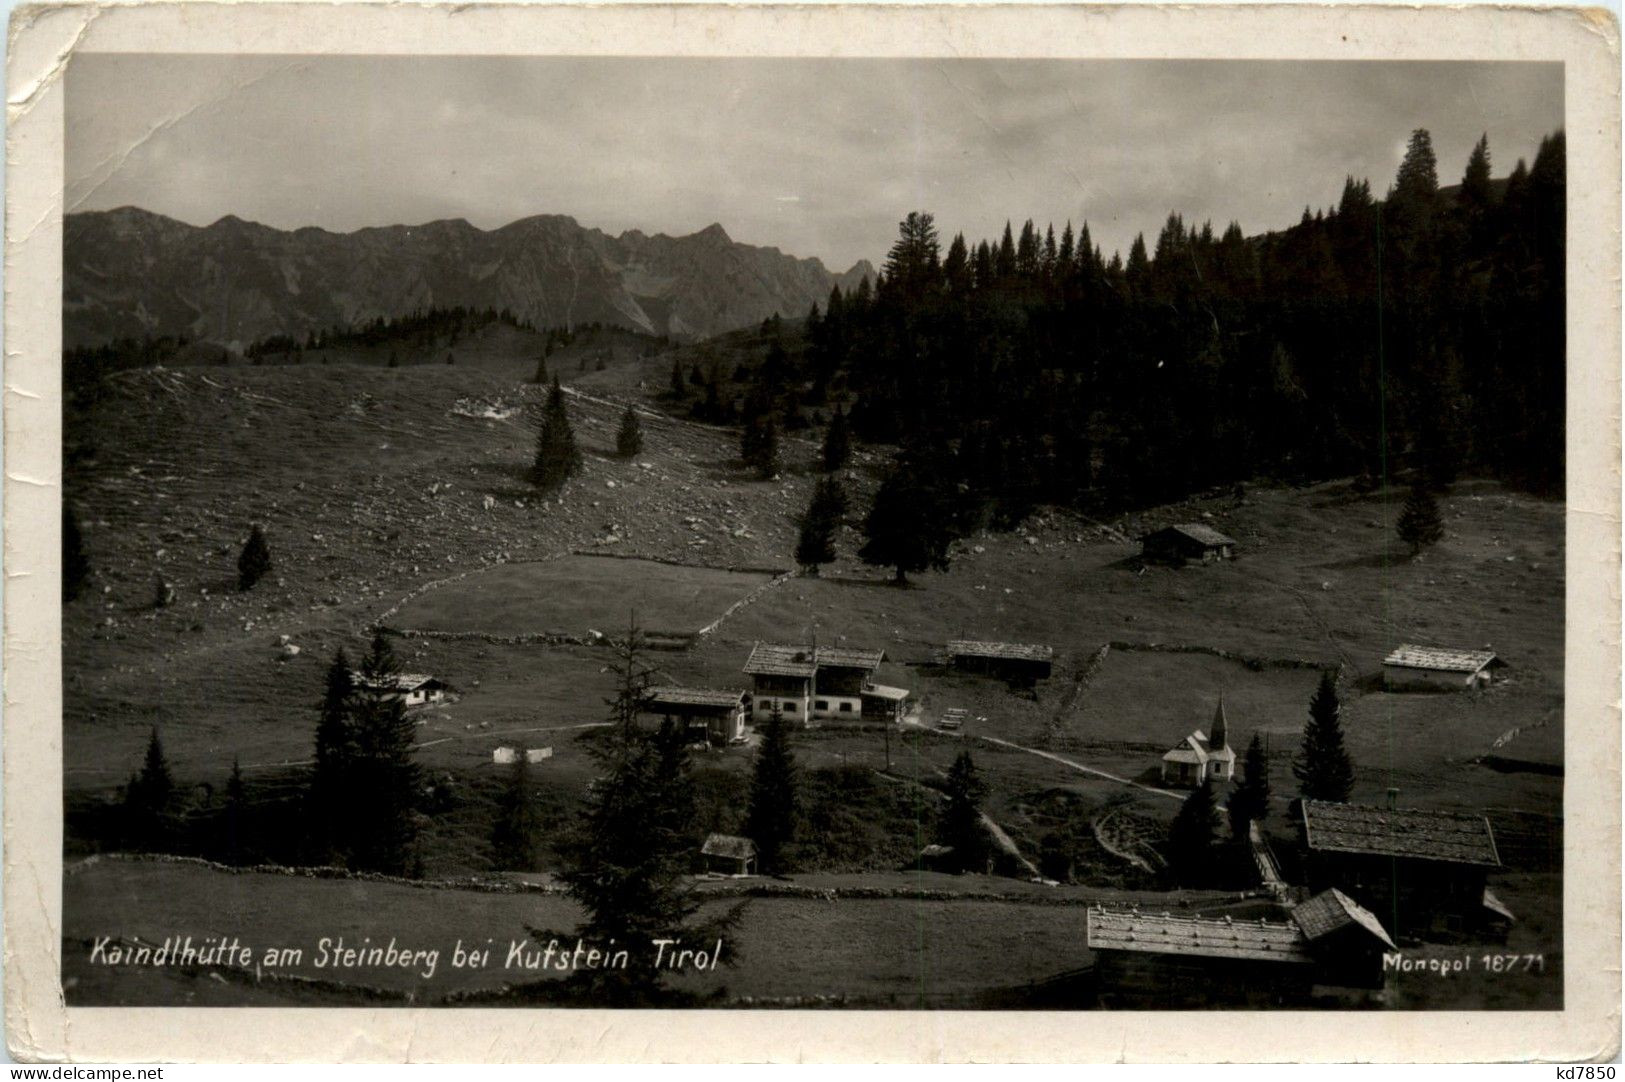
771	819
1190	837
815	545
961	827
147	799
1250	803
679	387
1322	767
1420	525
328	812
625	864
234	828
517	833
907	528
385	778
541	371
629	437
75	568
254	561
557	457
767	451
837	447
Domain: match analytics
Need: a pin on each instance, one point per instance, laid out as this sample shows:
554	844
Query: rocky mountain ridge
132	273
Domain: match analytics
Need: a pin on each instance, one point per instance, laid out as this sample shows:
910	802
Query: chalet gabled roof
846	657
1007	651
728	845
1332	911
1451	837
672	695
1196	749
779	659
401	681
775	659
1441	659
1207	937
1203	535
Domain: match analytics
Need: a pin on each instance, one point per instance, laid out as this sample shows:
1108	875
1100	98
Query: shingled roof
778	659
1332	911
1015	651
728	845
1441	658
1196	531
401	681
1205	937
672	695
1453	837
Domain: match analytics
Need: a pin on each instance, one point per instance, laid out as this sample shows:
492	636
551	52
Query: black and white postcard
1057	515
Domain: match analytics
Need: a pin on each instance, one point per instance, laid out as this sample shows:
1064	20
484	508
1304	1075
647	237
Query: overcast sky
815	157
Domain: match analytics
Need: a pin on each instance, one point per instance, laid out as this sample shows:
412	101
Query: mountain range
132	273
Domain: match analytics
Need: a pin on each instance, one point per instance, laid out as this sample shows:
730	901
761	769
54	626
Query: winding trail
1052	757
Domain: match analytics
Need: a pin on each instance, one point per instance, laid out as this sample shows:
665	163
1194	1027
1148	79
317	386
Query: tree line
1416	336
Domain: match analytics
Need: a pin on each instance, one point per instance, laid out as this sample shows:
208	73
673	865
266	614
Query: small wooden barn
1187	542
413	689
1329	944
1016	662
1423	872
1433	668
1346	938
728	854
883	703
713	715
1202	757
1163	962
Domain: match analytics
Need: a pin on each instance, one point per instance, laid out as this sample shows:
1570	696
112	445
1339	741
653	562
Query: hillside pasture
577	594
1158	698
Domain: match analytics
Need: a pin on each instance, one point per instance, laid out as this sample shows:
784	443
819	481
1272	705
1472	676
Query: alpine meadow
1017	611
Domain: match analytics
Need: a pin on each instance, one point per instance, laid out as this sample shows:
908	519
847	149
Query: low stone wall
1251	662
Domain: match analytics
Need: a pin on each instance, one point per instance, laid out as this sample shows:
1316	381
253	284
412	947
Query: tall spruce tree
147	798
1420	525
908	528
385	778
765	458
517	833
1322	766
679	386
961	827
1476	191
254	561
625	863
234	832
1191	835
327	812
75	567
774	800
629	437
837	447
1250	802
815	545
557	457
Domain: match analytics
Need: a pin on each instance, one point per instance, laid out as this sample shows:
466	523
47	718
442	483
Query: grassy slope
373	483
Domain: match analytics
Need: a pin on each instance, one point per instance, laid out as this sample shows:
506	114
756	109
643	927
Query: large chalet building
813	683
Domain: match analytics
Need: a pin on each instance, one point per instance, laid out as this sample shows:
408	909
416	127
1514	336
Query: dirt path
1000	837
1052	757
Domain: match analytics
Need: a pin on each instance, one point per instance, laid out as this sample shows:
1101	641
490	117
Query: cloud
816	157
